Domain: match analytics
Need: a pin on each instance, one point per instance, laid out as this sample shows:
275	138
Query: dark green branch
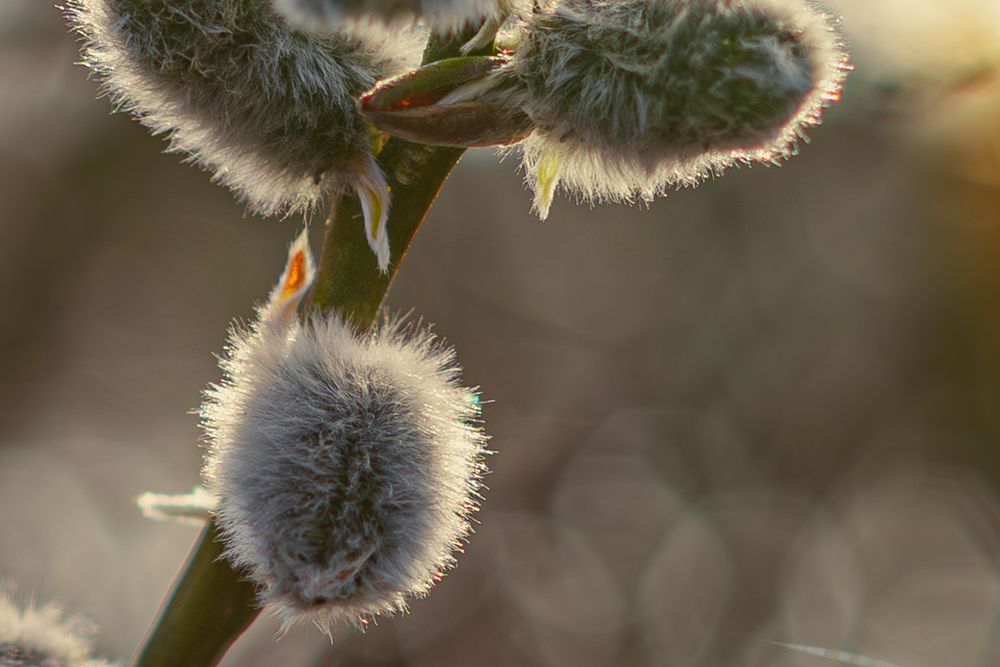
210	607
348	280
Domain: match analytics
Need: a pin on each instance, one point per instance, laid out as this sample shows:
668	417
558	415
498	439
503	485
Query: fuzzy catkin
344	468
268	109
43	637
631	98
326	15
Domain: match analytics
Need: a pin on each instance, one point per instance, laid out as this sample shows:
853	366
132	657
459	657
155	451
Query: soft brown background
766	409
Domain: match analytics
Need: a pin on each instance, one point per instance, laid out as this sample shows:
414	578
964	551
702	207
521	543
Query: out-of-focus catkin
43	636
325	15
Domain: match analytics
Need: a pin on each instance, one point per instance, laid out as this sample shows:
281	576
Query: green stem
213	604
348	280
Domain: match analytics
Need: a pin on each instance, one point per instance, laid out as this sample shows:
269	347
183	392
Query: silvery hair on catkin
324	15
344	467
631	98
43	636
267	108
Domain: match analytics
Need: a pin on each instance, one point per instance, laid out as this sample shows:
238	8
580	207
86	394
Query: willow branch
212	604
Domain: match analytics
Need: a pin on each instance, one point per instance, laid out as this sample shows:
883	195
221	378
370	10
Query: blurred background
764	410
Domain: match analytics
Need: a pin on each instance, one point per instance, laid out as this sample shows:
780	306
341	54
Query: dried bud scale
268	109
344	467
631	98
43	637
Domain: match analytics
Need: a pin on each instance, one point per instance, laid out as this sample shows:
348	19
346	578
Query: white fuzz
326	15
632	98
345	467
41	636
268	109
193	508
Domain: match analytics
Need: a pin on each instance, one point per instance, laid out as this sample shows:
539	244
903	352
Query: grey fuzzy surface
267	108
344	469
43	636
639	96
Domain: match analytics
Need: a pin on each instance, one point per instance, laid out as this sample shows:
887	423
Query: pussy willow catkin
43	635
631	98
344	466
269	109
